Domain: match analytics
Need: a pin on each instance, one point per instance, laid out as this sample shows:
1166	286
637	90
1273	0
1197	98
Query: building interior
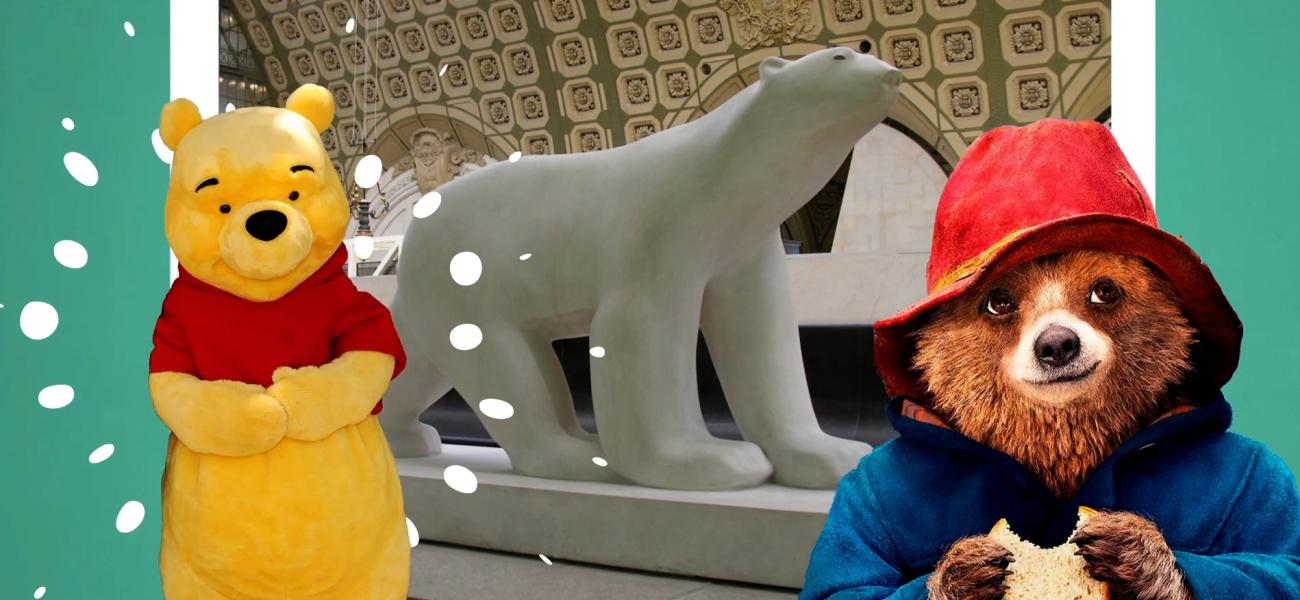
437	89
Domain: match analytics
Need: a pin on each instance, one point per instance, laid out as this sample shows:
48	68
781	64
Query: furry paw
975	568
267	422
1129	553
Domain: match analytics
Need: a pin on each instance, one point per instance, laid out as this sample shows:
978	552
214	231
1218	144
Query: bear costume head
254	206
1060	319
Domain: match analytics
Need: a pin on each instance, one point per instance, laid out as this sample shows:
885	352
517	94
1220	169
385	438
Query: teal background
58	511
1225	165
1225	183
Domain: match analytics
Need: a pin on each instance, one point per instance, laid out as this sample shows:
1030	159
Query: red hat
1021	193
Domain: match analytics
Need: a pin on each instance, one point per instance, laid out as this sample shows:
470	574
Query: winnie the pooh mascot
268	367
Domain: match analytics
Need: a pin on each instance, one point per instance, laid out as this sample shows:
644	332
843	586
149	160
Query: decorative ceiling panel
546	76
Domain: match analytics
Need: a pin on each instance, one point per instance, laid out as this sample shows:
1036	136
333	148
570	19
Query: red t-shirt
212	334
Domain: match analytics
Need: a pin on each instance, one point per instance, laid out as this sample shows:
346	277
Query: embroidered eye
1000	303
1104	291
225	209
293	195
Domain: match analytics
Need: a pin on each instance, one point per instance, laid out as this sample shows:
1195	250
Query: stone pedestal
761	535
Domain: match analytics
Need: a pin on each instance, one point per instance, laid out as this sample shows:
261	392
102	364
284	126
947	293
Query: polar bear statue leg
646	397
419	386
748	321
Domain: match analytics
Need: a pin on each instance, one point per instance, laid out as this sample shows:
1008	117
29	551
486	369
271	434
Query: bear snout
1056	346
266	225
893	77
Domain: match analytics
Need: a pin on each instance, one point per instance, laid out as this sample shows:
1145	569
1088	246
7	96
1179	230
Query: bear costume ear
770	66
177	119
315	103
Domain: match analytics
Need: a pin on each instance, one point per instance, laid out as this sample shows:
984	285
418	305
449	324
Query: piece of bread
1047	573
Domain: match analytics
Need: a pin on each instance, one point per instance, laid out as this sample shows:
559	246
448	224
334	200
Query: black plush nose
266	225
1056	346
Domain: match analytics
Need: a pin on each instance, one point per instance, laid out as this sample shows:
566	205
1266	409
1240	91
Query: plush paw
267	422
1129	553
974	568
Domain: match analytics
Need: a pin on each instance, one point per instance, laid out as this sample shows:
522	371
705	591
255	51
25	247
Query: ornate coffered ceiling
551	76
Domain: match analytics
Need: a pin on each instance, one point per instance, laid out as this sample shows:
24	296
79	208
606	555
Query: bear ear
315	103
770	66
177	119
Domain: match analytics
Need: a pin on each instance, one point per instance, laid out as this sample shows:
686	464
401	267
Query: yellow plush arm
320	400
229	418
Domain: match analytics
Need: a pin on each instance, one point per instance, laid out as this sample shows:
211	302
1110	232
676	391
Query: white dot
55	396
599	462
164	153
466	336
80	168
515	156
39	593
352	24
460	479
38	320
466	268
130	517
368	170
544	559
412	534
230	106
129	28
525	256
426	205
67	124
443	70
101	454
493	408
70	254
597	351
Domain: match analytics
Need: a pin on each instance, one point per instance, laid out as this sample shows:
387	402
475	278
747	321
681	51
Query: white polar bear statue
640	247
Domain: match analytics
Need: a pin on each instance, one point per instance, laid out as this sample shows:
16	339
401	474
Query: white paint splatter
81	169
599	462
367	171
351	24
460	479
515	156
38	320
39	593
130	516
597	351
101	454
70	254
525	256
56	396
466	336
466	268
128	28
493	408
412	534
68	124
426	205
544	559
164	153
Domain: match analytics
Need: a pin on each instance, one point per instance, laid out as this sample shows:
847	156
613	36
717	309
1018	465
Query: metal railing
388	248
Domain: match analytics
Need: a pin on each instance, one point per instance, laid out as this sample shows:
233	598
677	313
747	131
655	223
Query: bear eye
1104	291
225	209
1000	303
293	195
839	57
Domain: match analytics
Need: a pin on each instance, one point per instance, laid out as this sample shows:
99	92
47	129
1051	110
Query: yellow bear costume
268	367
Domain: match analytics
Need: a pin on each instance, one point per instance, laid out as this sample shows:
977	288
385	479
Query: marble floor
444	572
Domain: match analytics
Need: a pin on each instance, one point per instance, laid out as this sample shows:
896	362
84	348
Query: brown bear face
1057	362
